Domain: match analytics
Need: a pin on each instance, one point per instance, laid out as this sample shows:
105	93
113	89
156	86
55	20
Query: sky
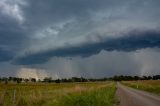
88	38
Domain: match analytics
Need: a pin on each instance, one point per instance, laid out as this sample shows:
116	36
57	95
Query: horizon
9	79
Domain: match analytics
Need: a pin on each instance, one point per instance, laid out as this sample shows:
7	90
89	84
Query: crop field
63	94
152	86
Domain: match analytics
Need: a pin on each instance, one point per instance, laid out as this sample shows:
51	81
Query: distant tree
116	78
6	81
76	79
18	81
39	80
136	78
149	77
156	77
10	79
48	79
58	81
26	80
65	80
84	79
33	80
144	78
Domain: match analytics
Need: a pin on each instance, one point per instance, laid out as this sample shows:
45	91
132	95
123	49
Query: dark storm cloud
12	40
34	32
5	55
20	20
134	40
44	12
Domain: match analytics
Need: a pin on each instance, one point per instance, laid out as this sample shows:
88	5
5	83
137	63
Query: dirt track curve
132	97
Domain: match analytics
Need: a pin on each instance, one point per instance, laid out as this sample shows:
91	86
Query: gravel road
132	97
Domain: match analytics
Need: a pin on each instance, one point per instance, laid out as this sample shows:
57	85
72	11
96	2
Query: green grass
70	94
152	86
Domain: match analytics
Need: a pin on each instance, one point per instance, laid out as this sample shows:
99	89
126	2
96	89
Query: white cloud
12	8
31	73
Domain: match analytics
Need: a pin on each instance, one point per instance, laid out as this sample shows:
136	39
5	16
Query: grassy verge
100	97
73	94
152	86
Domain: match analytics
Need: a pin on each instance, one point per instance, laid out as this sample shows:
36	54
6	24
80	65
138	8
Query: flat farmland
63	94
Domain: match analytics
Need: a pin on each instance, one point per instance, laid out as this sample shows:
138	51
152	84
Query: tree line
78	79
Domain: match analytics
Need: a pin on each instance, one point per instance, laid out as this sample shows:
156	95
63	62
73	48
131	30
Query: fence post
14	96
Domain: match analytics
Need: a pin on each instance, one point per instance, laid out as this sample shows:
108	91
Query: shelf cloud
55	35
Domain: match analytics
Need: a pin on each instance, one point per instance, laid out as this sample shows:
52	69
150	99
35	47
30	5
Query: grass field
64	94
152	86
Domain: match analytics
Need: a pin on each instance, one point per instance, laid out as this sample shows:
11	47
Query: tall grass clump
152	86
64	94
98	97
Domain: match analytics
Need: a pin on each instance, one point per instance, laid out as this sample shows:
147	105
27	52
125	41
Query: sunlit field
152	86
63	94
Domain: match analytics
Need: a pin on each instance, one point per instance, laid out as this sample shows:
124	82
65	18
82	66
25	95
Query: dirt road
132	97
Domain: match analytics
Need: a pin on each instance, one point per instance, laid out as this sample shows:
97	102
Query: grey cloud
27	41
103	16
5	55
43	13
133	41
104	64
8	69
12	39
142	62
